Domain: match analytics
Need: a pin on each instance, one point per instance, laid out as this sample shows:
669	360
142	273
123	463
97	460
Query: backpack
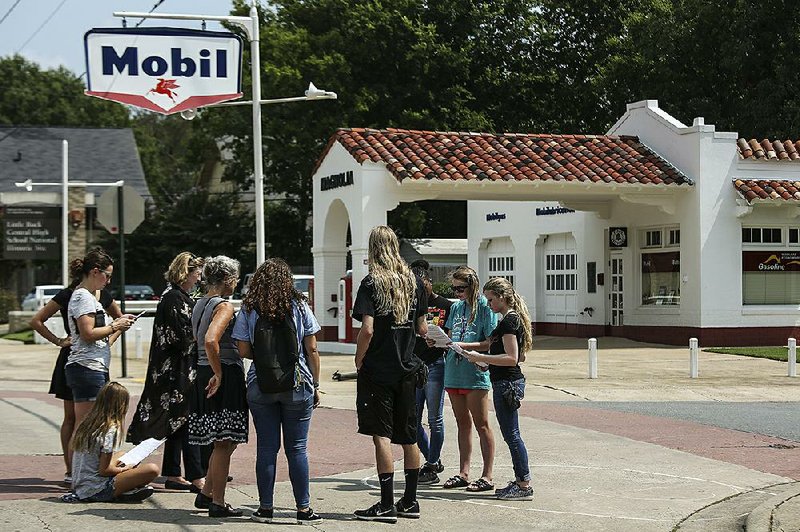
275	354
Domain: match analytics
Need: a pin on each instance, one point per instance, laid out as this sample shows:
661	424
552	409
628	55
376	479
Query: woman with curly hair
218	402
164	405
273	302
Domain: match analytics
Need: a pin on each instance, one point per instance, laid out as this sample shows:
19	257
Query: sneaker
438	467
308	517
135	495
376	512
202	501
407	510
70	498
218	510
498	490
262	515
427	475
514	492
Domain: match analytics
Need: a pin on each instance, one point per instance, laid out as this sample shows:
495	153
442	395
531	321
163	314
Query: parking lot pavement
593	468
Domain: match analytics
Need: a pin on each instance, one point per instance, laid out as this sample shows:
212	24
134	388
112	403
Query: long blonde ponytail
505	291
394	283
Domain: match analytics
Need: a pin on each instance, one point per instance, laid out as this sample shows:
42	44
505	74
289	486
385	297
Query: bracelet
316	385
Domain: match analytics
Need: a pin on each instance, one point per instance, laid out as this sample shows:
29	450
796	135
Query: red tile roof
754	189
779	150
449	156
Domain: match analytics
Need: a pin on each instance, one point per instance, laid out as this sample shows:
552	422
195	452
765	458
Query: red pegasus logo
165	87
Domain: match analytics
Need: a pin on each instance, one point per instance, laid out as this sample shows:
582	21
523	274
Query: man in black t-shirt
387	370
433	391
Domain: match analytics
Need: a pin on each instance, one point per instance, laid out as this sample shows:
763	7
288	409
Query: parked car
136	292
39	296
301	282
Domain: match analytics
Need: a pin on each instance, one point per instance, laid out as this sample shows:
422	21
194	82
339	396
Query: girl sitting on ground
97	474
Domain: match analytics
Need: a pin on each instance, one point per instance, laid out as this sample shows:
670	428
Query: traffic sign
133	209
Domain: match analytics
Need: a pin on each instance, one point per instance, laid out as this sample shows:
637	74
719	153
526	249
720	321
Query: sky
60	40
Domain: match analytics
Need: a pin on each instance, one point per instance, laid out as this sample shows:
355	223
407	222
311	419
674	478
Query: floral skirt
224	415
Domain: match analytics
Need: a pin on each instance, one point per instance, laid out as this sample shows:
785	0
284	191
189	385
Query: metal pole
592	358
792	358
693	363
258	149
65	212
121	229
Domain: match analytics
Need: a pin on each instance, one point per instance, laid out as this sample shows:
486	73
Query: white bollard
137	341
693	350
792	357
592	358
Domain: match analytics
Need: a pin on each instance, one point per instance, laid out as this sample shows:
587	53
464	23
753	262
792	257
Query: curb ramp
749	511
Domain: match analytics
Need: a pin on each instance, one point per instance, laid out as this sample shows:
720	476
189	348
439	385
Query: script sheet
141	451
438	335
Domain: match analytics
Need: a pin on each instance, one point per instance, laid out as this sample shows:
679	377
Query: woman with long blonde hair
507	346
97	475
471	321
391	305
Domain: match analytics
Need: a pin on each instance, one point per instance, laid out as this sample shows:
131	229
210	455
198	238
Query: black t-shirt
438	310
63	296
510	324
390	355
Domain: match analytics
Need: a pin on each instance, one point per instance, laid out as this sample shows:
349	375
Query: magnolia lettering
337	180
154	65
495	216
545	211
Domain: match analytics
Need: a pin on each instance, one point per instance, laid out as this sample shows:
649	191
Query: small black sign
32	232
336	180
547	211
618	237
495	216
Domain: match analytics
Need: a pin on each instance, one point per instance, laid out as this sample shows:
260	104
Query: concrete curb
761	518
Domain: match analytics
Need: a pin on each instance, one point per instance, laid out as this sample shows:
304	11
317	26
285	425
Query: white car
40	295
301	283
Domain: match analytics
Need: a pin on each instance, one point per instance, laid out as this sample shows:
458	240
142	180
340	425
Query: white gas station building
655	231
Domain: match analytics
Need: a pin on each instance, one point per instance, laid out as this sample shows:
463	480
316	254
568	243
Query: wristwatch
316	385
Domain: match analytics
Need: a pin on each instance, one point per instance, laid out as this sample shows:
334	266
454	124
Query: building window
661	278
674	237
771	277
652	238
502	266
762	235
561	273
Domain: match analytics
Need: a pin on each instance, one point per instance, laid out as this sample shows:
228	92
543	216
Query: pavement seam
554	388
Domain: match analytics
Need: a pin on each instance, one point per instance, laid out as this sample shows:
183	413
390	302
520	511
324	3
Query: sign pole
258	150
121	229
65	212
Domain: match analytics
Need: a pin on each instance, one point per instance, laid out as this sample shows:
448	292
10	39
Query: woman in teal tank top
470	322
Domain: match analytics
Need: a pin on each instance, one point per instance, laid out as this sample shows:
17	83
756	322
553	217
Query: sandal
456	481
480	485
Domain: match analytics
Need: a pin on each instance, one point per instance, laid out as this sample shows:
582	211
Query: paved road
781	420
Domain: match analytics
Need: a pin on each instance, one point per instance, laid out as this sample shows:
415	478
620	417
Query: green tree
30	95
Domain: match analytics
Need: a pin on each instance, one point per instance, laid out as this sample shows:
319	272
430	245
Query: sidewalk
593	469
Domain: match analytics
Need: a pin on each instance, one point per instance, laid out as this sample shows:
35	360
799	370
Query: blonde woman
507	346
471	322
218	403
164	405
391	305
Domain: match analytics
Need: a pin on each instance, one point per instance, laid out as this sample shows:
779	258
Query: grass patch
25	336
771	353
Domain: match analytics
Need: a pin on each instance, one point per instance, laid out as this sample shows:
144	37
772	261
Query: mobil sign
167	70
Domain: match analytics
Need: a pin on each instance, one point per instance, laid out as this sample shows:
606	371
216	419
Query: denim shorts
104	495
84	382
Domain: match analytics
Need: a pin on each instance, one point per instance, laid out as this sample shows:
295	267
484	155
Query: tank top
201	319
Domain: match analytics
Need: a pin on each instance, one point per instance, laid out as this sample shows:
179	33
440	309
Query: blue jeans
432	395
290	412
509	426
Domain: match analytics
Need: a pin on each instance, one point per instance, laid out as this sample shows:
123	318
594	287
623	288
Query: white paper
459	350
438	335
141	451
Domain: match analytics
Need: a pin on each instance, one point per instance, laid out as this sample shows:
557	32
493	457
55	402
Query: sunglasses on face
105	273
459	289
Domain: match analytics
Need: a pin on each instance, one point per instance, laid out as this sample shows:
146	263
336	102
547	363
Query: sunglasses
107	275
458	289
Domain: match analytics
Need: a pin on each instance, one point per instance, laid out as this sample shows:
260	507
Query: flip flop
456	481
480	485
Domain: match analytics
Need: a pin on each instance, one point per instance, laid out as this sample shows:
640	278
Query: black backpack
275	354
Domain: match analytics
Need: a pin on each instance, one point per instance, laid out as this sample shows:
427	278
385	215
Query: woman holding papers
58	383
164	405
471	321
99	476
507	346
218	403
